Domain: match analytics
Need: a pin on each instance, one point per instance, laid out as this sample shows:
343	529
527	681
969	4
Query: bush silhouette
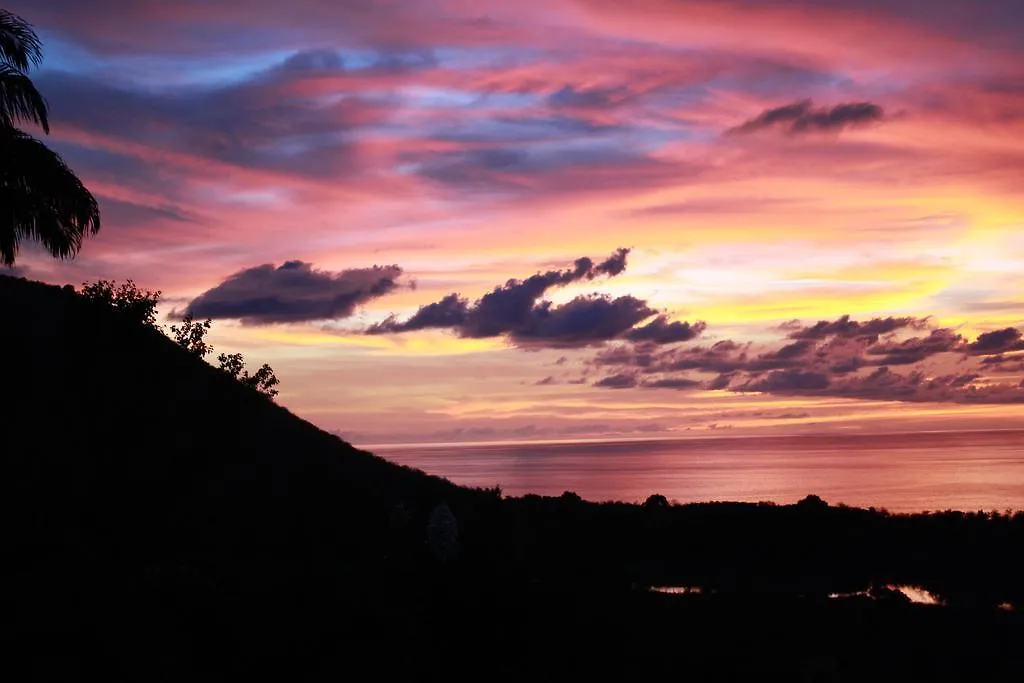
139	306
191	336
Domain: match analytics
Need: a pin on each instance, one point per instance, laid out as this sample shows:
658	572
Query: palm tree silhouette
41	198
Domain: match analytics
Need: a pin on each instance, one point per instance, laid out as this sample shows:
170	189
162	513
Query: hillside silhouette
163	521
110	401
128	461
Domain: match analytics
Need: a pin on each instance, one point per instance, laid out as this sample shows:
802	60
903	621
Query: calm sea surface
901	472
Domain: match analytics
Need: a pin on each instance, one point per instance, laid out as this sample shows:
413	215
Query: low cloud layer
662	331
998	341
803	117
891	359
293	292
845	327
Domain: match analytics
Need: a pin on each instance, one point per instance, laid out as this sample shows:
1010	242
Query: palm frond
41	199
20	101
20	47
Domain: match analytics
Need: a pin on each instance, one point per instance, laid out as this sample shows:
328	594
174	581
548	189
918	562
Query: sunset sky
455	220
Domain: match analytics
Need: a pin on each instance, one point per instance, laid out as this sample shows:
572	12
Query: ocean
981	470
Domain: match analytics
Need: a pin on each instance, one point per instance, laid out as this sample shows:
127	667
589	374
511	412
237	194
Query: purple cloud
293	292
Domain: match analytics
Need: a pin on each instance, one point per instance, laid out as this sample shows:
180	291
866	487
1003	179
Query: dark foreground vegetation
163	521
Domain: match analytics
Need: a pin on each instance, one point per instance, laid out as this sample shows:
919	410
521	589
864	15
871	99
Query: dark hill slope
130	468
103	410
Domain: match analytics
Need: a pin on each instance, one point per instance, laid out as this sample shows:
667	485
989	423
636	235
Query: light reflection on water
677	590
915	594
901	472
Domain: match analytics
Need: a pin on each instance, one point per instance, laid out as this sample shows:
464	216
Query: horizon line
680	437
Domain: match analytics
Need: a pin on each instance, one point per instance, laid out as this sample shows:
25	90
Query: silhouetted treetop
43	200
263	380
19	45
138	305
656	500
191	336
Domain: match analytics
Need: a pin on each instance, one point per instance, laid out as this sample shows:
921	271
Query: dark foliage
263	380
19	44
139	306
133	304
162	522
42	199
191	336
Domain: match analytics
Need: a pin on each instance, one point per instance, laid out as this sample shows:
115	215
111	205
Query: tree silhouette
263	380
656	500
192	336
139	305
43	199
136	304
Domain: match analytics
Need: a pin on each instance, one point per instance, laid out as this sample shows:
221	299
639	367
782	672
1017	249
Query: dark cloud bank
893	358
293	292
297	292
518	311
